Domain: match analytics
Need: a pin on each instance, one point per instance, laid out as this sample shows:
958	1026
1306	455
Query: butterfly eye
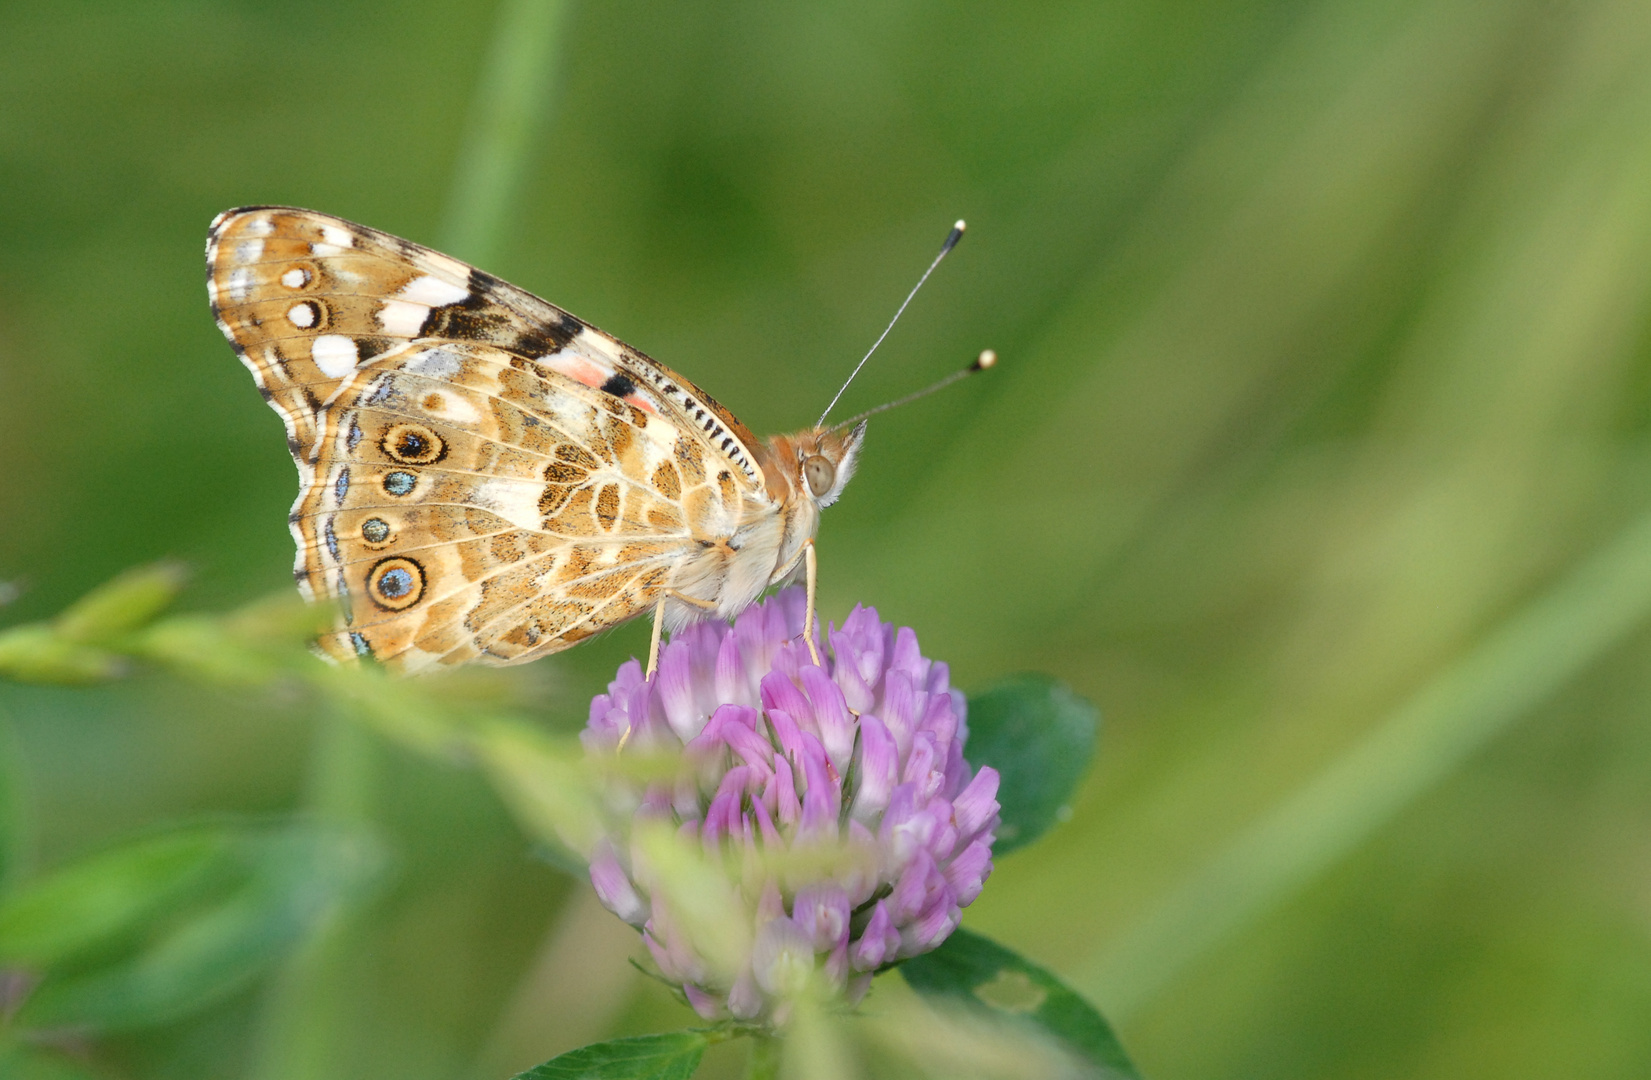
821	474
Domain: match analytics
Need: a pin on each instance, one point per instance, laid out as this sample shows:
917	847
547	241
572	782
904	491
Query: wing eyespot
376	533
412	444
395	584
399	483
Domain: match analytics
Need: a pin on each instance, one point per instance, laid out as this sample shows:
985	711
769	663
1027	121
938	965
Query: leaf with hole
978	974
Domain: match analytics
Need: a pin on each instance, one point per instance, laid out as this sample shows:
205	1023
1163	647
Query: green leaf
1039	736
672	1056
978	973
195	953
100	899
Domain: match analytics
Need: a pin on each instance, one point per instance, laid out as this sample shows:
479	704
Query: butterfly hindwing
467	505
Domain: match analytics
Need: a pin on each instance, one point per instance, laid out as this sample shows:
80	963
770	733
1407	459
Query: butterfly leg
659	621
811	571
653	643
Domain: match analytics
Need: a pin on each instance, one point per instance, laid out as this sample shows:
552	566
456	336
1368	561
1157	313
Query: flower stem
303	1022
764	1062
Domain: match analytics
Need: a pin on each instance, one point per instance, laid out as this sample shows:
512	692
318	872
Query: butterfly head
817	463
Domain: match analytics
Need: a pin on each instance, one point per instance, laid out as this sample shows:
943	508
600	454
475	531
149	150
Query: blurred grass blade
292	878
97	901
1040	737
300	1030
1458	712
978	973
544	784
673	1056
512	105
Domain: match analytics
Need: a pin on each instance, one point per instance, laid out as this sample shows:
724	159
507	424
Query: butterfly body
484	476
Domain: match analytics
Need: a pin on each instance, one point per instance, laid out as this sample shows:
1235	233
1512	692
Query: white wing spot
402	319
432	292
301	315
249	251
453	408
323	251
260	226
240	284
335	354
296	278
515	500
332	234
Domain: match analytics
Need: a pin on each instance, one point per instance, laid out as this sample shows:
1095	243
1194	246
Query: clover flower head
834	804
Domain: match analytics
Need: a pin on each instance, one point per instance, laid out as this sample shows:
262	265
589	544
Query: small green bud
125	604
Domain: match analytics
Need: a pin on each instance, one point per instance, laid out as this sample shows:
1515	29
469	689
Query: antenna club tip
959	225
985	360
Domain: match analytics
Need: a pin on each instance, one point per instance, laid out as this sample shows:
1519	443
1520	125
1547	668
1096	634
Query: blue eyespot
375	530
395	583
399	483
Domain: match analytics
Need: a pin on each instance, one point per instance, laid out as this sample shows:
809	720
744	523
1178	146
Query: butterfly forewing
483	476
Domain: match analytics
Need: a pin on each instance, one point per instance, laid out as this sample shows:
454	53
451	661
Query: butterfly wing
307	298
482	475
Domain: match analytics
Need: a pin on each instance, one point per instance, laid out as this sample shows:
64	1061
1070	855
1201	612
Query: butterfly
485	477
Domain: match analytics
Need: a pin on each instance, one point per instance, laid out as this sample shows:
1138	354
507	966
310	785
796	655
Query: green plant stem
513	102
764	1062
305	1016
1514	669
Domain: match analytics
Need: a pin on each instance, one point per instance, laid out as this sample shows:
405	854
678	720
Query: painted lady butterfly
482	475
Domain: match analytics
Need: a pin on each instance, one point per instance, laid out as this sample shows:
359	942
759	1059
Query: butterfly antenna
985	360
951	241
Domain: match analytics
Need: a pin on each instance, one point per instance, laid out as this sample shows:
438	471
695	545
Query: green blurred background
1317	457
